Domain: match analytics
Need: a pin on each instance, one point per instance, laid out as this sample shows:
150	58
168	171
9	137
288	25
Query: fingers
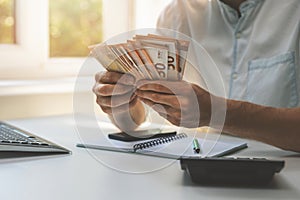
172	115
115	101
163	110
180	107
168	87
114	77
113	83
166	99
119	109
114	91
111	89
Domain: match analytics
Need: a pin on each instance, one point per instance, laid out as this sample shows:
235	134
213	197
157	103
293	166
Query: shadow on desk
271	154
280	188
6	157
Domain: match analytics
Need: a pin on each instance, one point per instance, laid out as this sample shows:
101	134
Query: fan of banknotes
151	57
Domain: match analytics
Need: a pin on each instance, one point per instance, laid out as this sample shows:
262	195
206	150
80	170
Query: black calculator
244	171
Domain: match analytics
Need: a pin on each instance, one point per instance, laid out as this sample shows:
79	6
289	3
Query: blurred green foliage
7	24
74	25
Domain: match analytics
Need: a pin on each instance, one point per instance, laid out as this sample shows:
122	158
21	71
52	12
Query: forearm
128	121
276	126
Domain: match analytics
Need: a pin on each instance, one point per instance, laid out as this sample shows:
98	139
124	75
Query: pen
196	146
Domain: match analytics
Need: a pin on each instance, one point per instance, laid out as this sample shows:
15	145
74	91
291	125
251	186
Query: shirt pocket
272	81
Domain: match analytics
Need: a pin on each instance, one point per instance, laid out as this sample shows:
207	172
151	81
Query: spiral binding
159	141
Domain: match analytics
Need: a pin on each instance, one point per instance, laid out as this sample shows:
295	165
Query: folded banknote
149	56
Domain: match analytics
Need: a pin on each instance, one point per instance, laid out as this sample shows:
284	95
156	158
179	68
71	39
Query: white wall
147	12
23	106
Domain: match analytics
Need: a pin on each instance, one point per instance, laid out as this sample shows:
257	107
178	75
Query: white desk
80	176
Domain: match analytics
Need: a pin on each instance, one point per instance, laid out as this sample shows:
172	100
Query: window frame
29	57
27	52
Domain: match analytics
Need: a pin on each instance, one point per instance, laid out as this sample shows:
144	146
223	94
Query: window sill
45	86
37	98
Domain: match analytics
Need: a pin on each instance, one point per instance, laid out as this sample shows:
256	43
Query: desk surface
81	176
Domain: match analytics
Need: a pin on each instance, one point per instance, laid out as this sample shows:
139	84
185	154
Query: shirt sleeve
174	16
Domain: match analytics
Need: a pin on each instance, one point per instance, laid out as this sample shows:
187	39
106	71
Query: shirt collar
232	15
249	4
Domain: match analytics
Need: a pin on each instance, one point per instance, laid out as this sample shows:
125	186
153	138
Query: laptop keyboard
13	139
14	136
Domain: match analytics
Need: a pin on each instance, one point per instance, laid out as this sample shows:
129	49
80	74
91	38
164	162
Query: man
255	44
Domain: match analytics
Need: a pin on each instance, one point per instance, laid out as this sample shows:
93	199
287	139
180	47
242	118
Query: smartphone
141	135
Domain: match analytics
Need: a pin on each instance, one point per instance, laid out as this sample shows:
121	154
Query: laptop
15	142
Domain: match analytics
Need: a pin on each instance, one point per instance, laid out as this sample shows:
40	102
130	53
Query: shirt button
234	75
238	35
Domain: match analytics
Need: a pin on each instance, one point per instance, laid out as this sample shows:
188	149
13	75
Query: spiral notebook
173	147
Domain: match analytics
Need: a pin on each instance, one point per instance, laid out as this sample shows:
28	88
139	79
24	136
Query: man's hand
186	104
114	91
180	102
116	97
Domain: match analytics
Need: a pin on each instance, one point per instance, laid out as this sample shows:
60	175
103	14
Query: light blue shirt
257	53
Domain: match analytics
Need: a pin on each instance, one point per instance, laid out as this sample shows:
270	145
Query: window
50	38
7	22
74	25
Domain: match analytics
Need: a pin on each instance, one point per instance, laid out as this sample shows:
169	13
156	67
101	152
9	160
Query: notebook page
184	147
174	149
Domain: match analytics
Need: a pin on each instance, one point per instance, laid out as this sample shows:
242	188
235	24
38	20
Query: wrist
234	118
